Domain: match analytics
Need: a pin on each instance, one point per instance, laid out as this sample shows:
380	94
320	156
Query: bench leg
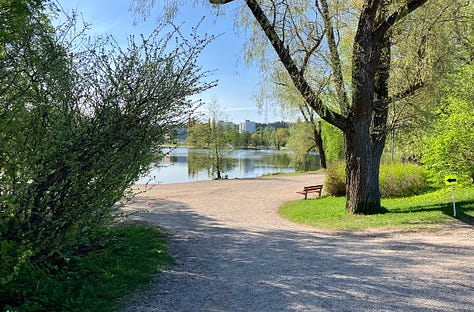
305	195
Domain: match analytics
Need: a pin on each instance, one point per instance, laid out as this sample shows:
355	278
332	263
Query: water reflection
187	165
202	160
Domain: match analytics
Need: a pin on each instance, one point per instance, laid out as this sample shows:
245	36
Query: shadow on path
225	269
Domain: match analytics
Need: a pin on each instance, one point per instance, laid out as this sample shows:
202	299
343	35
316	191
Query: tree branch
335	59
409	91
313	100
296	75
402	12
400	95
309	53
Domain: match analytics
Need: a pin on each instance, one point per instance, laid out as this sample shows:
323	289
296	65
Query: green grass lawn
422	212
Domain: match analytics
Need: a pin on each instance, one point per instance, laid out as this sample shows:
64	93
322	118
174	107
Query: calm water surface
188	165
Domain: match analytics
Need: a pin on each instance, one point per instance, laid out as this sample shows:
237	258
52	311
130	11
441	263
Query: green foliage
128	258
441	52
279	137
256	139
335	183
450	147
241	139
215	136
396	179
429	211
333	142
301	142
402	179
77	128
14	16
199	135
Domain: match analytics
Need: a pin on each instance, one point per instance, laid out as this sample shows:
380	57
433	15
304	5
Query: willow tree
362	116
277	87
310	39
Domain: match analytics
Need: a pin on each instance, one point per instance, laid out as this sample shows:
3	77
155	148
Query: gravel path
235	253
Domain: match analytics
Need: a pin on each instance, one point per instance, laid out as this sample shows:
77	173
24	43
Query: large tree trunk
365	136
362	172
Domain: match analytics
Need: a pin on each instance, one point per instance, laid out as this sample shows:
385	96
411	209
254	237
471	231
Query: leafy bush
77	128
396	179
402	179
335	183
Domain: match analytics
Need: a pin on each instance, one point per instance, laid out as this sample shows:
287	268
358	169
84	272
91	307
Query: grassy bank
427	211
95	281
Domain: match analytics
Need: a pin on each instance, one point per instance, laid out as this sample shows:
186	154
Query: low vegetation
335	183
93	282
402	179
396	179
418	212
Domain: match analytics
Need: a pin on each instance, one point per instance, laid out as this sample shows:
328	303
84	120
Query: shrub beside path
235	253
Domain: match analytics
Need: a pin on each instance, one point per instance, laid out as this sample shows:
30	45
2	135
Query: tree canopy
450	146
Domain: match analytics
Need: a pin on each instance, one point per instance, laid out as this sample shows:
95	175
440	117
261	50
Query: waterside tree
361	114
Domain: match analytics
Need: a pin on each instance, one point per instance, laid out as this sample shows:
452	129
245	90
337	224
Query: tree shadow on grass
222	268
464	210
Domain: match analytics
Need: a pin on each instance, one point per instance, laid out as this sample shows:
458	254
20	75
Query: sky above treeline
236	82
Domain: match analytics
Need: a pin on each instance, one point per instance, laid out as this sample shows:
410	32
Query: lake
187	165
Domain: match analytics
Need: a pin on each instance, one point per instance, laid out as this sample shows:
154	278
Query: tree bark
362	171
318	140
322	157
365	138
309	117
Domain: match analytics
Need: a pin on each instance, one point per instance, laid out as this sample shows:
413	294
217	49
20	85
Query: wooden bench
311	189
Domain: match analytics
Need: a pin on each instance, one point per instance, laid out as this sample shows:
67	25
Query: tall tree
279	137
218	138
308	37
364	119
214	135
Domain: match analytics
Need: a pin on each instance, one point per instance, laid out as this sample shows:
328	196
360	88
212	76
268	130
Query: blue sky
237	82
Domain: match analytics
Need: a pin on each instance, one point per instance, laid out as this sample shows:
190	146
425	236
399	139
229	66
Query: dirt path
235	253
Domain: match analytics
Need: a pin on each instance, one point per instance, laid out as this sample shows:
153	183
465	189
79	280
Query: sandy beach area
235	253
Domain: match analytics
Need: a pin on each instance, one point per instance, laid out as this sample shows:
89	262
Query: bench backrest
313	188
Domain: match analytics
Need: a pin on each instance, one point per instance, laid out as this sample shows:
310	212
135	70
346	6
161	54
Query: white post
454	201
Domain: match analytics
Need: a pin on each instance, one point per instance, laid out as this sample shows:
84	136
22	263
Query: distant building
248	126
227	124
